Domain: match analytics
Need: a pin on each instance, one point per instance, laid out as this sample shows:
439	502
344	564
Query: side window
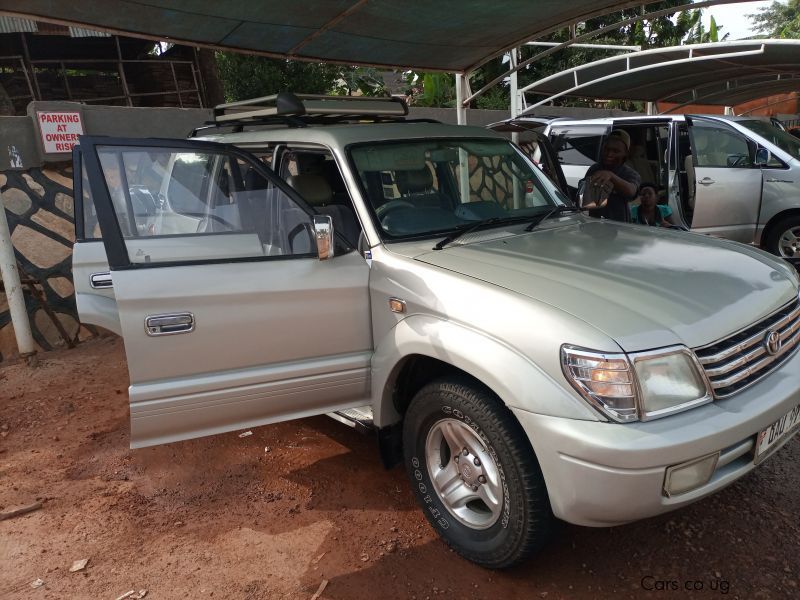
202	205
716	145
575	145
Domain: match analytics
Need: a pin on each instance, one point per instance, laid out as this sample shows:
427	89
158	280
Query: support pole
461	110
14	295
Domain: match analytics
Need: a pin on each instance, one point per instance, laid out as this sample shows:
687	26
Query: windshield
427	187
785	141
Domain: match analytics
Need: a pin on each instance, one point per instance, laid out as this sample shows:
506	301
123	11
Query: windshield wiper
562	208
475	226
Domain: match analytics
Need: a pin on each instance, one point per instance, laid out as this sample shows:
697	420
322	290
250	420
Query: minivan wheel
474	473
784	238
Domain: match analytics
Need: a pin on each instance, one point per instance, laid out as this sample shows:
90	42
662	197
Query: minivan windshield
785	141
420	188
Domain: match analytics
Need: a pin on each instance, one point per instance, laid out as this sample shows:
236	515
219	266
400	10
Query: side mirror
323	233
763	156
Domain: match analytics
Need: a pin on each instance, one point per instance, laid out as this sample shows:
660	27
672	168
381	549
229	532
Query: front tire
784	238
474	473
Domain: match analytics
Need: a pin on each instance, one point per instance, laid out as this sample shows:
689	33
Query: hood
645	288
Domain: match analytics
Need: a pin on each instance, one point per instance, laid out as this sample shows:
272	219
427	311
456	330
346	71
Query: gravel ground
274	514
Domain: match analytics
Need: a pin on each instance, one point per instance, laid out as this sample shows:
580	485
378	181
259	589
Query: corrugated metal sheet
78	32
17	25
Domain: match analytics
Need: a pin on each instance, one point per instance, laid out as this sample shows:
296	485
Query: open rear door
229	318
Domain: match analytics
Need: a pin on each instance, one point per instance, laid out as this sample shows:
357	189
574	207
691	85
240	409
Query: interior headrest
313	188
414	182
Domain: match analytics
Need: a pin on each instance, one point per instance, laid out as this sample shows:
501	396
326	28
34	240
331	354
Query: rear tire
784	237
474	473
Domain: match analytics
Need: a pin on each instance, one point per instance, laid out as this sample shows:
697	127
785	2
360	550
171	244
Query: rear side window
577	145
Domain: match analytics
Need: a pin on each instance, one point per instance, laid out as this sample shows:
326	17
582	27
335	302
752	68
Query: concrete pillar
14	295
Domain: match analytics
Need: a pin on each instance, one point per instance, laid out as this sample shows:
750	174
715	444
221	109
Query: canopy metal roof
723	73
444	35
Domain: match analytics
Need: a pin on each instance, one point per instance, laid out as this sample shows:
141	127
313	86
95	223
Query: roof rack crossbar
287	104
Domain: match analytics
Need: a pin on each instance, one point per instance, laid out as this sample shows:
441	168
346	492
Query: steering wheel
385	209
203	216
738	160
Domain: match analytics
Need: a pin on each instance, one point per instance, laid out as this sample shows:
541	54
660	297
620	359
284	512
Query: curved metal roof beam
760	87
580	86
585	36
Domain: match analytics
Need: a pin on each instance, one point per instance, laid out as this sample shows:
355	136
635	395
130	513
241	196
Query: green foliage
778	20
363	81
438	89
496	98
244	76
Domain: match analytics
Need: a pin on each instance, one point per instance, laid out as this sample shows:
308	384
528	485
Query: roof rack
300	110
298	105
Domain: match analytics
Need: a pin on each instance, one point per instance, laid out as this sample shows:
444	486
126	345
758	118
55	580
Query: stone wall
40	213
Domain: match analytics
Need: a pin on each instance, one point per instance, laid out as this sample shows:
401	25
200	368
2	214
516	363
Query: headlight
641	386
669	381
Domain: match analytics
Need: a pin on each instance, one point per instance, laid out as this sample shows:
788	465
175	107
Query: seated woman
649	212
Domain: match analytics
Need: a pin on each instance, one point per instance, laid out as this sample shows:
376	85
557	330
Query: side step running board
359	418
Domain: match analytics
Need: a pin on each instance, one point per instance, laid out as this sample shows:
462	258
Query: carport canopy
446	35
722	73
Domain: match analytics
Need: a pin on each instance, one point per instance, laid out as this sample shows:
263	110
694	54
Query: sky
734	17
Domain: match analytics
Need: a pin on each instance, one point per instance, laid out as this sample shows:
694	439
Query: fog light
690	475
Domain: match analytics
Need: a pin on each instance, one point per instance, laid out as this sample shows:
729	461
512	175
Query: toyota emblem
773	342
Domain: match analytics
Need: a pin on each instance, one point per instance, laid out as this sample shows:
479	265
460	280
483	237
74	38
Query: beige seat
316	190
637	160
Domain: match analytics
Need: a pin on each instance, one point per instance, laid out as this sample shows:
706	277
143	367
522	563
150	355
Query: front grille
742	359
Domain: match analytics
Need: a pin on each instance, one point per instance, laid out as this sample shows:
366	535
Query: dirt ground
273	514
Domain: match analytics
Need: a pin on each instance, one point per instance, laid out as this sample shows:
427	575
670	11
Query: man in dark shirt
611	178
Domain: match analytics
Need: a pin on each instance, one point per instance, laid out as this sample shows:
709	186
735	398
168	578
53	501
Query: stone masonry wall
40	212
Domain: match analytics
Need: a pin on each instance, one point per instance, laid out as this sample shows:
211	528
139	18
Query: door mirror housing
763	156
323	233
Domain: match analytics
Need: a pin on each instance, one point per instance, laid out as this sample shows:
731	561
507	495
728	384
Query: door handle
101	280
706	181
169	324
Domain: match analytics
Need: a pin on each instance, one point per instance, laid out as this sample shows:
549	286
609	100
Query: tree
246	76
778	20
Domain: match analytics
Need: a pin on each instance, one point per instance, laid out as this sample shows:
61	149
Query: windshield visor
428	187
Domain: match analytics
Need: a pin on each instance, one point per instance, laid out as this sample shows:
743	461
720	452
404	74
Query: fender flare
514	378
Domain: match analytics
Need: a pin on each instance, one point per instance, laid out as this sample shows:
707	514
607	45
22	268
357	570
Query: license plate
773	435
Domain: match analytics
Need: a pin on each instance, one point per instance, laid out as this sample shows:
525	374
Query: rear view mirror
763	156
323	234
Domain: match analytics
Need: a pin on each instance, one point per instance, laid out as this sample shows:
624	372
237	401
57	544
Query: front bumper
601	474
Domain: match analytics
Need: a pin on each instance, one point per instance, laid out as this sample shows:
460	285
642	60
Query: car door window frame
114	241
751	145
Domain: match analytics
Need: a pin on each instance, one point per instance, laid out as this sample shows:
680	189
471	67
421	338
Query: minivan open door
229	317
727	183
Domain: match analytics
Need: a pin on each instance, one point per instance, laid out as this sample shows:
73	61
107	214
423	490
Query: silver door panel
272	340
727	199
169	411
96	305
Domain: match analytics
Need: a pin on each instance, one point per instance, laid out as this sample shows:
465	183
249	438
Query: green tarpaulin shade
446	35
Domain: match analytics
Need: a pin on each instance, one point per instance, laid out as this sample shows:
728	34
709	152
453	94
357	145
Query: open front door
725	184
229	318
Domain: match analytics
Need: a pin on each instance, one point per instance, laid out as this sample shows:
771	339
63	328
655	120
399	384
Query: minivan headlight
641	386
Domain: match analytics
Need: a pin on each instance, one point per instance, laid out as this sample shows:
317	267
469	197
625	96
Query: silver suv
307	255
